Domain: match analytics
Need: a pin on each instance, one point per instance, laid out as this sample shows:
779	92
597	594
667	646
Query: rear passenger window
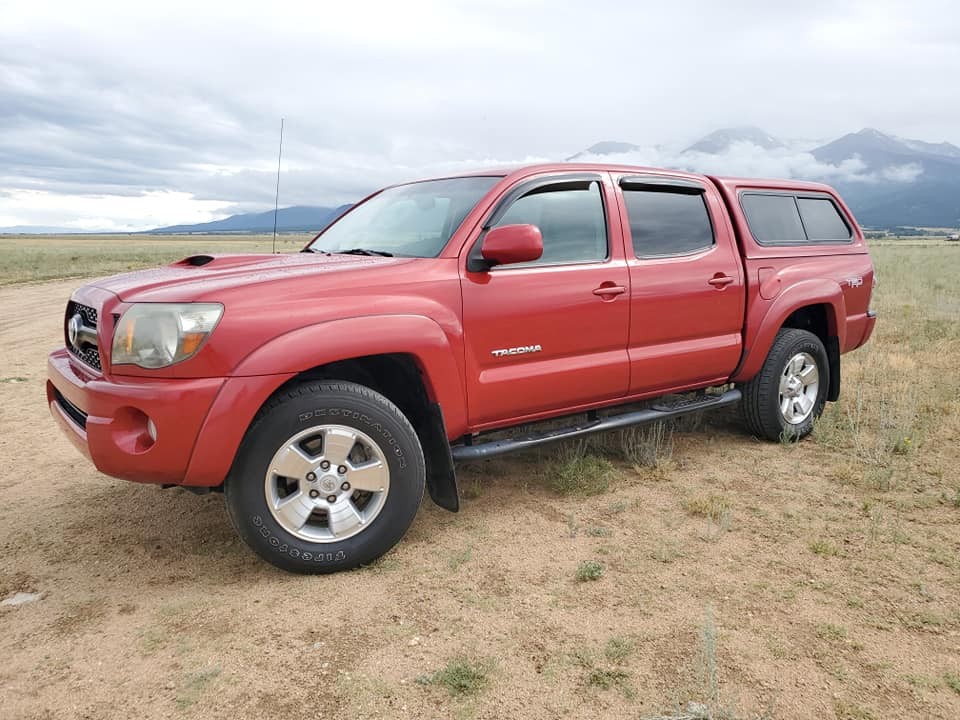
667	223
571	222
773	218
822	219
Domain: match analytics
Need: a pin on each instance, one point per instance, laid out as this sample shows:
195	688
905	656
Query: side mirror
509	244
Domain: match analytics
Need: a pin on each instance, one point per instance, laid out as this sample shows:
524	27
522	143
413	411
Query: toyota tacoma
323	391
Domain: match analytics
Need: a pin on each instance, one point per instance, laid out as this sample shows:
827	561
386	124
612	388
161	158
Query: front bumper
110	422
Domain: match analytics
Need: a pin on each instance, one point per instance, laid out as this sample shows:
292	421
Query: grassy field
33	258
683	571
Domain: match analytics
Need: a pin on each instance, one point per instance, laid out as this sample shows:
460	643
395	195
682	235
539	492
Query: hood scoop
230	261
195	260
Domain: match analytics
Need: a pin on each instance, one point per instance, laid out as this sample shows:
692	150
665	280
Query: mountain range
887	181
299	218
719	140
930	198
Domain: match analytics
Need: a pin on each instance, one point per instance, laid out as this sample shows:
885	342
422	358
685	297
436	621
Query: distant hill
878	150
931	199
720	140
299	218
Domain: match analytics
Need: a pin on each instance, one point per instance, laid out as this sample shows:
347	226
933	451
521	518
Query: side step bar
655	413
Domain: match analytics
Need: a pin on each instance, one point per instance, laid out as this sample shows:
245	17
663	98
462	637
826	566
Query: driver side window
571	221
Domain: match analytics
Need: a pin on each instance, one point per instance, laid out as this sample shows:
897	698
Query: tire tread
297	392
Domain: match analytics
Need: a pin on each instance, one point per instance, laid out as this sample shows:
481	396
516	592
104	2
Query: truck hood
203	276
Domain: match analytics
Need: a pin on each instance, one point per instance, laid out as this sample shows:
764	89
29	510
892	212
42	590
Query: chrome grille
86	352
90	356
88	313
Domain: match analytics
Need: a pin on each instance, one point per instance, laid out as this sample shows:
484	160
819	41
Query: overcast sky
128	115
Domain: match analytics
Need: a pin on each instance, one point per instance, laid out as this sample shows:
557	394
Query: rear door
687	285
549	335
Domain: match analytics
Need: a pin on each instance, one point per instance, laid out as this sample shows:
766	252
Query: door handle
720	280
610	290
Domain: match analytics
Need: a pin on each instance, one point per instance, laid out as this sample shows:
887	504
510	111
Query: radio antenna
276	200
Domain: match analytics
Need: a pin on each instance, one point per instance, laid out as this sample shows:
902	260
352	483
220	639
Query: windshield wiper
309	249
364	251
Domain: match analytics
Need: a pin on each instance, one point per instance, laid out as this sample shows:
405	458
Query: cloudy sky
129	115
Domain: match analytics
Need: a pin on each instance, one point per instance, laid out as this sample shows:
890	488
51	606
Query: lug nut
311	476
342	469
325	465
314	494
345	486
331	498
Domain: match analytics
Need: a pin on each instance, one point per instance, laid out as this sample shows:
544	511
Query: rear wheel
788	394
329	477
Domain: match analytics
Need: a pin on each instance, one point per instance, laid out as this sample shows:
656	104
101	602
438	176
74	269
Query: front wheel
328	477
788	394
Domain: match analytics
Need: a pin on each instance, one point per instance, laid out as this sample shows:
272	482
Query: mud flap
441	475
833	357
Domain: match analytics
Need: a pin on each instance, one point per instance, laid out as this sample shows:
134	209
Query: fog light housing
133	432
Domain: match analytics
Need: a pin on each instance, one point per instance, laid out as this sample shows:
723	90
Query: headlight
155	335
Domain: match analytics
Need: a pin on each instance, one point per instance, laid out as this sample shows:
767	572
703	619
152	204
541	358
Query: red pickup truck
322	391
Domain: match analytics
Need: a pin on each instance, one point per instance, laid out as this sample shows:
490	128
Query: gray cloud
749	160
121	99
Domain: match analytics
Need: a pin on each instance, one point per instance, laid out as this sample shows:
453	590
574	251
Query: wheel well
819	320
813	318
398	377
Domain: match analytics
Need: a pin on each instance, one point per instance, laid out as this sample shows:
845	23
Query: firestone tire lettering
293	552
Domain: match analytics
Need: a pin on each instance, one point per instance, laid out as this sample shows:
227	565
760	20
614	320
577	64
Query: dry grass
589	570
831	593
461	676
572	473
712	507
34	258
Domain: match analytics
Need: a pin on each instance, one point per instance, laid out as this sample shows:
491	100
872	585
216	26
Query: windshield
414	220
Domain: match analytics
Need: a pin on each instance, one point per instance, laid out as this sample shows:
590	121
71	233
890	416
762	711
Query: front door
550	335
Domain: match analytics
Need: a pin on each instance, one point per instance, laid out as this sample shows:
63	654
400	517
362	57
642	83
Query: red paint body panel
513	244
416	335
498	348
582	336
782	279
116	436
683	330
235	405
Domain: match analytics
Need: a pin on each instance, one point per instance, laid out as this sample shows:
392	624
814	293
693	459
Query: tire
328	477
788	394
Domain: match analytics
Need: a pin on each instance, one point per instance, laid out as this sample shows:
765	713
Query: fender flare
269	366
344	338
769	316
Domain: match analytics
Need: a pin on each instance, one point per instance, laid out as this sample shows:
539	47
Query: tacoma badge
522	350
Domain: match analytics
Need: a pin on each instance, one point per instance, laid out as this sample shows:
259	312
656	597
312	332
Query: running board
655	413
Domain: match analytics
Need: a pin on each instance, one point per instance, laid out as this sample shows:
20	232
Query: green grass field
35	258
